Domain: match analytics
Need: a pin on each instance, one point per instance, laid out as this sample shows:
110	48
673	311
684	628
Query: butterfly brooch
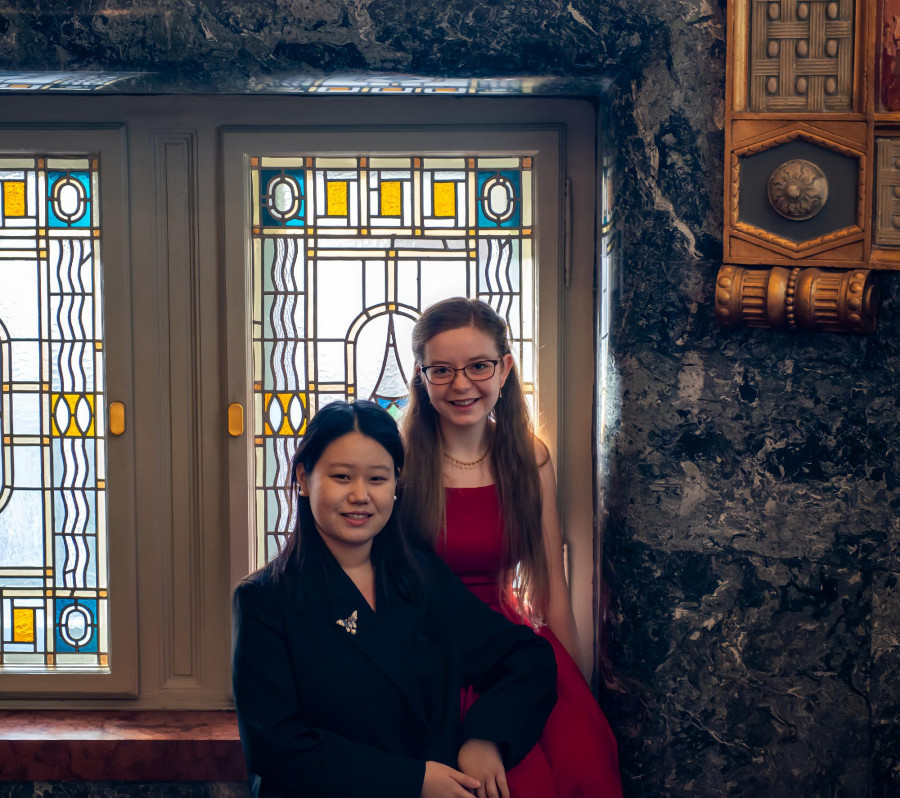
348	624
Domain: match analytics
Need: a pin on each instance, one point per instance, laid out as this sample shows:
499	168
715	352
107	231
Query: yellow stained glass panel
23	625
14	198
337	198
445	199
391	198
79	411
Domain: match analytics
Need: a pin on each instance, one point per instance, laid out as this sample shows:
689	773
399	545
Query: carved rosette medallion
798	190
811	299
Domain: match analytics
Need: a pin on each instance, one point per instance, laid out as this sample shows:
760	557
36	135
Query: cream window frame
173	299
565	372
120	680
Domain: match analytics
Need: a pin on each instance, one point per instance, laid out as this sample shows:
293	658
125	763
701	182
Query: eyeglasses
442	375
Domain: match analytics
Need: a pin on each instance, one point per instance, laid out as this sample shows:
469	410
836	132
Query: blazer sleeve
512	669
292	757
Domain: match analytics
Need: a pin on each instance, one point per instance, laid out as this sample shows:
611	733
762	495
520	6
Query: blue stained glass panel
69	199
283	197
76	621
499	199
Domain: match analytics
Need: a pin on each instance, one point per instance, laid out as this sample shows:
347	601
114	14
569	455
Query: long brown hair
524	580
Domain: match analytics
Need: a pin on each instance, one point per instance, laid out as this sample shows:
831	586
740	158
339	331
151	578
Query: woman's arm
559	615
291	756
512	669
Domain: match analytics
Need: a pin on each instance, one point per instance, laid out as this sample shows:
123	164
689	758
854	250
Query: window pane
347	252
53	568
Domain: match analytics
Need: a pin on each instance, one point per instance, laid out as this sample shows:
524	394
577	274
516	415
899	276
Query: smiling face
464	402
351	493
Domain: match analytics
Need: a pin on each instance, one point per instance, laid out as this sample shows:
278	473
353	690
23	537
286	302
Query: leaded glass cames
346	253
53	546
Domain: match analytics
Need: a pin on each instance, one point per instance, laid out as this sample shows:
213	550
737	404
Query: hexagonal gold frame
784	246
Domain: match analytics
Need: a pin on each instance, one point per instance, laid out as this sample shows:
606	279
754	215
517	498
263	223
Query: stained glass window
346	253
369	83
53	559
61	81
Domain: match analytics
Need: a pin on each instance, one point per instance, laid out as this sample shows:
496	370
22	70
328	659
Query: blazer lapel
390	638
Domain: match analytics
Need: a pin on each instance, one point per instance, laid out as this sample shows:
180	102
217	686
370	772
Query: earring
395	497
500	395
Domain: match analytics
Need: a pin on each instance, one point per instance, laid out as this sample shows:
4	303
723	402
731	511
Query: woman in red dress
481	486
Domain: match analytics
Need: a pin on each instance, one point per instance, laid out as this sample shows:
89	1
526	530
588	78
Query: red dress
576	756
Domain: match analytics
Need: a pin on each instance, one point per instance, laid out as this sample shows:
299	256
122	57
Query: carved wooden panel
811	299
887	187
820	165
889	55
175	188
812	137
801	55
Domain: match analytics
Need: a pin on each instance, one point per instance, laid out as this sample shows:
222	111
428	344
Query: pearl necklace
463	463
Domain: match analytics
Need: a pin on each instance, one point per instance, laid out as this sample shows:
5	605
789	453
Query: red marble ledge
120	746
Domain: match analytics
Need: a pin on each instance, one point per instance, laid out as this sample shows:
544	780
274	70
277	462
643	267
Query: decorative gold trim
797	246
735	187
792	247
812	299
799	133
739	76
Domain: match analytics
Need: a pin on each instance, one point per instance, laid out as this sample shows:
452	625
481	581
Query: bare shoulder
541	453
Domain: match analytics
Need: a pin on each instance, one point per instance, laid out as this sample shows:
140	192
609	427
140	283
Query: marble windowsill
120	746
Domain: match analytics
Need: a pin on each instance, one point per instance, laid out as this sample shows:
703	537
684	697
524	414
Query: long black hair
392	556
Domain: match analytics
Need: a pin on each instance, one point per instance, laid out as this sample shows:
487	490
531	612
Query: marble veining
103	725
203	43
88	745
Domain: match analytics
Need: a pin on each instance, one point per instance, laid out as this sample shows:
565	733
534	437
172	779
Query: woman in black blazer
351	648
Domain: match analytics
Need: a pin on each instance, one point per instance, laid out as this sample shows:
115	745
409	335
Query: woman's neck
465	462
465	443
349	557
356	562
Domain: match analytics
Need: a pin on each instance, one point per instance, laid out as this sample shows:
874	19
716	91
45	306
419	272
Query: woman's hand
481	759
442	781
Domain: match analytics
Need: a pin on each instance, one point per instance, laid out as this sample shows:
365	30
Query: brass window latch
116	418
235	419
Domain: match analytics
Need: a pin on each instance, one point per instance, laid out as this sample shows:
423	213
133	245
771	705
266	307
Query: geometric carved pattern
801	56
887	190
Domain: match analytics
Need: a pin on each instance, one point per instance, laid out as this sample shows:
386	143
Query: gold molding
739	76
811	299
788	247
838	236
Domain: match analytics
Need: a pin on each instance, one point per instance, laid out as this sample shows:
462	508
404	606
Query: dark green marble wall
753	528
752	539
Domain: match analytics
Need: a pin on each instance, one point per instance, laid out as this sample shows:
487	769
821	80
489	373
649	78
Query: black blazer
323	712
